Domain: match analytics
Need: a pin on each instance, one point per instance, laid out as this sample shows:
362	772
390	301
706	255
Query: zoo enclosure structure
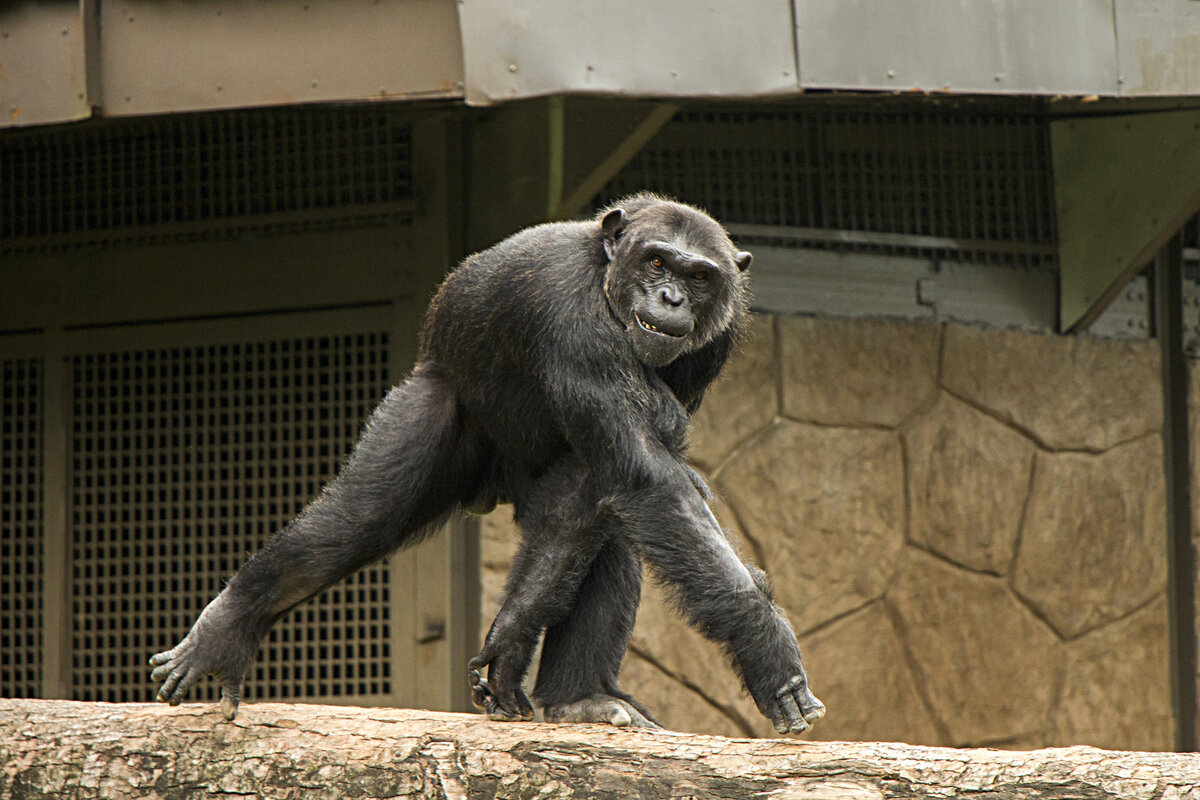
170	222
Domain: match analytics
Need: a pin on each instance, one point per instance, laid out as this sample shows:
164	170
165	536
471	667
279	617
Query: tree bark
62	749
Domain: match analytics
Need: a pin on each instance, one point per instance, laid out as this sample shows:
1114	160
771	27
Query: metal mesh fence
894	180
20	527
184	461
100	181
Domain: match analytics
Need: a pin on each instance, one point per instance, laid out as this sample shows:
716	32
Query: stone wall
964	525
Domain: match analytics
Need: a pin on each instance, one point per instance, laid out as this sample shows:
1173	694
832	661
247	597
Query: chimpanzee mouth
650	327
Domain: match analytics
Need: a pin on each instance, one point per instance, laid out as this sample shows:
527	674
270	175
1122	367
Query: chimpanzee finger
159	659
168	688
481	693
161	671
184	684
791	714
231	696
812	708
524	707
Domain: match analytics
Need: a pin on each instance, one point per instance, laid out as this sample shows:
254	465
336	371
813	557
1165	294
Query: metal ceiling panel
992	46
667	48
172	55
1159	47
43	74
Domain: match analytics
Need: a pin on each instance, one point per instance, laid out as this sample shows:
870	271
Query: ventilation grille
20	528
980	178
106	179
184	462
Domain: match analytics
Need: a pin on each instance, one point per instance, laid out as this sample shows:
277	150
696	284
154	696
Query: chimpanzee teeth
647	326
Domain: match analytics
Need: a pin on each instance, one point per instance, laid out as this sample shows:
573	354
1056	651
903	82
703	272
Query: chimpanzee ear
743	259
612	225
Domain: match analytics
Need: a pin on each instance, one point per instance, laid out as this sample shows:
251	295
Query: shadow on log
61	749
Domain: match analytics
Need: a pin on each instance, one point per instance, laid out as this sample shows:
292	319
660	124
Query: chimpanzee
557	372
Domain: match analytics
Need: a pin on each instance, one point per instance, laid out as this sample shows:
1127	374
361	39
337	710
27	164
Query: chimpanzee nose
671	296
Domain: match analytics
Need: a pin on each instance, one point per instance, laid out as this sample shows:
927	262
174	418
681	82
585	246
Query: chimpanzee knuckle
619	717
229	705
812	708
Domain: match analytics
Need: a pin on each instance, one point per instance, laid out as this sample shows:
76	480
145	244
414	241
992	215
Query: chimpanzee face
673	279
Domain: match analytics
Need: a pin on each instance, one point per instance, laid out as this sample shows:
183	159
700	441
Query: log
65	749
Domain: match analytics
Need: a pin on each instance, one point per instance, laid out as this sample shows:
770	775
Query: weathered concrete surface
1092	548
990	669
1067	392
856	372
968	478
740	402
1119	667
826	507
859	667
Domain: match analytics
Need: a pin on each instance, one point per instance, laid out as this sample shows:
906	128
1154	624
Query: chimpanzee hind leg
581	656
562	530
415	462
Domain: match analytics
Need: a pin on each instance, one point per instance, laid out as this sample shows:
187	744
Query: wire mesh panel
201	170
184	461
20	527
980	177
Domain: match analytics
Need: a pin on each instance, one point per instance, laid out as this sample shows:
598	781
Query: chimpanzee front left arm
649	493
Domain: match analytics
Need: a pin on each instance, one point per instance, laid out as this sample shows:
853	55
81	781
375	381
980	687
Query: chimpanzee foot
796	708
602	708
514	707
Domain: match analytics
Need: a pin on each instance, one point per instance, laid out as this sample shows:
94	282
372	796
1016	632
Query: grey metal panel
993	46
789	281
43	74
1128	315
1014	297
169	55
1158	46
666	48
797	280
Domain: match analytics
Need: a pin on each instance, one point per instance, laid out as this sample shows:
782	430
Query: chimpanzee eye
656	262
700	275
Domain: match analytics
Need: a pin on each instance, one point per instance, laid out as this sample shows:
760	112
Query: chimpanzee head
673	279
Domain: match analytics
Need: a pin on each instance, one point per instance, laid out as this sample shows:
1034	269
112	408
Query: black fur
557	371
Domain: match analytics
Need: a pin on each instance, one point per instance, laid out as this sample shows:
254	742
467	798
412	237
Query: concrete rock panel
1117	693
743	400
857	372
968	477
857	668
825	508
1091	548
990	669
674	704
1067	392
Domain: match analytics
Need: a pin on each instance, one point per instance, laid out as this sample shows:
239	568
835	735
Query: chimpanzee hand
795	707
502	700
214	646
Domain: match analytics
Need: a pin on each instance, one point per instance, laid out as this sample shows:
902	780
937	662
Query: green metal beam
604	169
1123	185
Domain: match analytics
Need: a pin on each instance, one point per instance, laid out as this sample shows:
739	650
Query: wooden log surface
62	749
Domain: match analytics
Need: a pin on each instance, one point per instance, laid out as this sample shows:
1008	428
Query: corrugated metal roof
155	57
